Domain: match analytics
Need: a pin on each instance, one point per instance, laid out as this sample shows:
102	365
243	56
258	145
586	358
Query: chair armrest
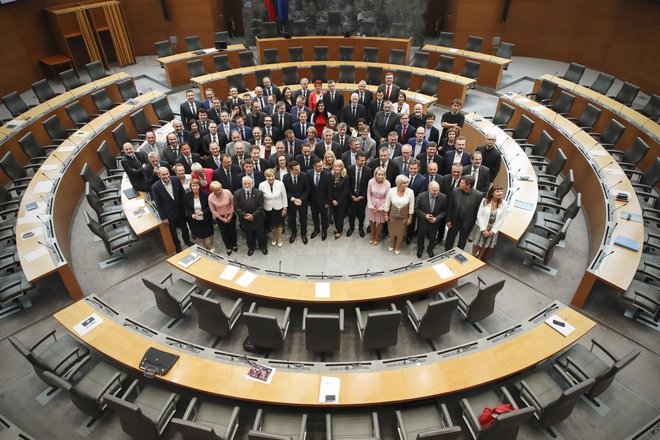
303	427
480	281
6	212
233	421
132	388
236	309
360	324
328	427
193	289
376	426
119	221
410	308
79	365
458	295
253	307
393	308
531	243
65	359
469	416
545	228
191	407
112	178
110	198
400	425
304	322
445	415
43	338
341	320
571	362
166	408
287	317
118	236
532	395
168	277
507	397
548	184
647	298
595	343
550	205
258	419
114	379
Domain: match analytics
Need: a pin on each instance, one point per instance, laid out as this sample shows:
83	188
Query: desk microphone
604	166
555	118
600	260
619	207
512	193
554	75
516	155
49	246
620	181
51	180
516	174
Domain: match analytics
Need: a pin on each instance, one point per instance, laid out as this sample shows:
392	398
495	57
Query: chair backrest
320	53
163	49
397	56
542	144
140	122
602	83
430	85
446	39
193	42
345	53
296	54
236	80
69	79
196	68
246	59
545	91
43	90
589	116
374	75
564	103
370	55
556	238
89	176
420	59
605	379
506	426
11	167
346	73
368	28
14	104
572	210
557	163
381	329
269	29
30	147
474	43
612	133
445	64
95	70
322	332
264	330
210	316
397	30
484	304
54	128
523	128
162	109
471	69
77	113
299	28
290	74
561	408
635	153
133	422
503	114
97	230
565	186
627	94
221	36
271	56
403	79
505	50
574	73
221	62
165	302
93	200
652	108
102	101
120	135
437	319
319	71
651	176
127	89
260	74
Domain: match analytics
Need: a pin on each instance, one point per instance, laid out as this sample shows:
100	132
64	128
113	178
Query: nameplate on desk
627	243
49	167
81	133
42	187
526	178
139	212
229	273
329	389
527	206
32	205
631	216
322	290
443	271
66	149
87	324
559	324
622	196
188	260
246	279
599	153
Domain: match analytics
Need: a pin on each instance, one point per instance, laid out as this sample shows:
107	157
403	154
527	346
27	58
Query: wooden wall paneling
145	32
192	17
592	37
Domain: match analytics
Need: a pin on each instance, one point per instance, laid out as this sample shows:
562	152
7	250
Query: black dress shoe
408	241
419	253
292	239
235	248
361	232
188	243
431	254
324	235
314	234
349	232
304	239
264	251
228	251
250	252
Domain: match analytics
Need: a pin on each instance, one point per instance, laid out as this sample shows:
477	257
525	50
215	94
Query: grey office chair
355	425
102	101
445	64
296	54
477	301
144	410
221	62
216	315
33	150
645	182
420	59
77	113
114	239
193	42
430	85
431	317
43	90
17	174
474	43
195	68
173	298
141	124
397	56
397	30
108	215
162	109
9	203
95	70
552	192
652	108
346	73
299	28
374	75
221	36
602	83
205	420
320	72
610	135
539	149
552	222
323	330
503	115
246	59
522	130
368	28
69	79
587	118
629	159
163	49
379	328
345	53
290	75
108	159
427	422
471	70
370	55
542	247
120	136
320	53
645	300
15	104
403	79
505	50
107	188
271	56
56	130
582	363
574	73
269	30
127	89
260	74
278	425
550	171
267	326
236	80
446	39
545	92
627	94
505	426
564	103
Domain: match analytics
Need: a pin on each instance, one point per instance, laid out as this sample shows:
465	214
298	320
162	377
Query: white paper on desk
165	129
322	290
16	123
566	330
42	187
31	256
135	203
599	153
329	390
453	50
246	279
139	212
443	271
49	167
87	324
615	171
27	219
66	149
229	273
210	50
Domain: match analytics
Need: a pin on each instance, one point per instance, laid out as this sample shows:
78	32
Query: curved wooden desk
205	370
31	120
490	69
176	66
59	176
596	175
637	125
384	45
449	88
371	288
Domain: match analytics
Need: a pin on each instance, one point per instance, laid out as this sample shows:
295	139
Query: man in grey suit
462	213
480	173
367	144
430	207
151	144
384	122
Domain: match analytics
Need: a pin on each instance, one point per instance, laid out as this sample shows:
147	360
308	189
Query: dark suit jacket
257	178
423	162
300	92
466	159
263	165
301	160
275	133
274	90
404	136
373	109
186	114
434	135
397	149
346	158
368	97
288	122
206	141
483	181
221	176
248	132
188	137
322	194
214	115
237	160
419	184
469	204
170	155
413	140
297	146
346	114
367	174
294	112
445	186
391	172
394	92
340	190
183	161
168	208
300	191
333	106
256	119
423	207
135	171
209	162
378	127
254	206
189	204
149	177
342	147
299	132
319	150
221	130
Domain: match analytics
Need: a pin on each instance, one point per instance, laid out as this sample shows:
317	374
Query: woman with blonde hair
221	203
275	203
198	214
490	217
340	193
399	209
377	190
204	175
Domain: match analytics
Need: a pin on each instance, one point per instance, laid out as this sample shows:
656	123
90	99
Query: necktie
214	138
382	164
405	167
282	121
354	110
364	143
341	141
268	132
217	161
190	160
243	133
431	178
306	162
227	131
316	179
379	105
362	98
203	126
352	158
453	183
387	95
387	118
332	96
247	196
228	172
304	128
256	165
180	138
412	180
192	108
432	203
290	148
134	158
357	180
295	180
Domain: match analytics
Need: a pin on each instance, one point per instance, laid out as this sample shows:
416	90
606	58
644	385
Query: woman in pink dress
377	190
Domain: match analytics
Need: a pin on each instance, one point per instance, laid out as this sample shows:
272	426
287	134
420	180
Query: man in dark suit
417	183
334	100
320	197
282	119
430	156
462	212
492	158
358	179
189	109
234	98
448	183
212	137
279	151
260	164
203	121
480	173
430	207
168	195
228	174
384	123
207	104
431	133
375	106
249	207
225	127
300	128
418	143
256	117
256	176
270	130
459	155
327	144
182	135
215	110
383	160
306	158
404	129
393	147
297	190
271	89
299	108
241	155
171	150
133	164
303	91
365	96
350	157
403	161
292	145
352	112
187	158
243	130
389	89
342	137
214	159
150	170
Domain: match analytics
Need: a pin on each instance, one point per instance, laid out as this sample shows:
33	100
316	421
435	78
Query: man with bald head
249	208
431	209
133	164
352	111
168	195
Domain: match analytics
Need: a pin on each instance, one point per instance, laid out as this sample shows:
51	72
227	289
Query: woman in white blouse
275	203
492	212
401	106
399	209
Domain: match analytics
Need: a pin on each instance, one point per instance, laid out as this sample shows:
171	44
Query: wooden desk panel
34	117
490	69
602	211
176	66
366	387
637	125
384	45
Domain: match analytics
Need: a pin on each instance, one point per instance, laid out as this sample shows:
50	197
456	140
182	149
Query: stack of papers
189	259
443	271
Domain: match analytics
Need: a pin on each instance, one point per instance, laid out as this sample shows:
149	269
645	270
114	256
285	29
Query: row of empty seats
193	43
